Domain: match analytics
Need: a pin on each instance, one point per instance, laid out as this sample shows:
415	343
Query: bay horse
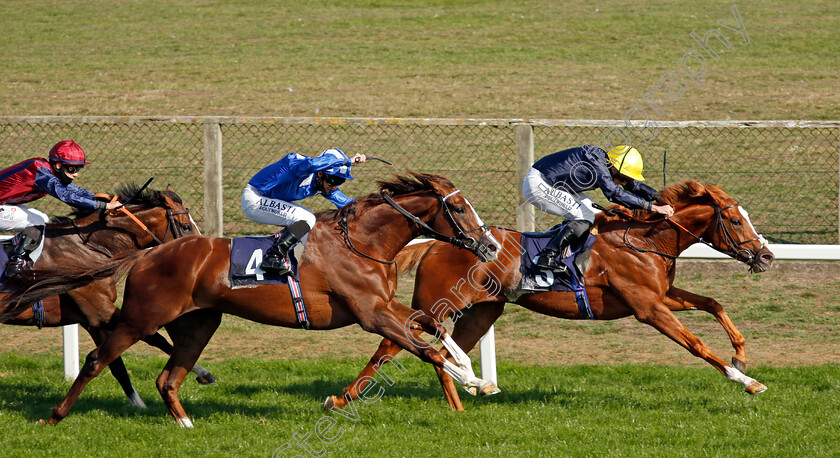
630	273
347	276
88	236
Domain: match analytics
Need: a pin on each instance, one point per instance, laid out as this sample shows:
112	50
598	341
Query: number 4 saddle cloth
246	255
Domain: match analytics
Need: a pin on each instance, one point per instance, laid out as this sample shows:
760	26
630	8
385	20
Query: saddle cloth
246	254
535	279
5	249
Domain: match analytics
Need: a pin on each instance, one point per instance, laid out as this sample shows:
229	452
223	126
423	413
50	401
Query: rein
170	222
461	241
734	251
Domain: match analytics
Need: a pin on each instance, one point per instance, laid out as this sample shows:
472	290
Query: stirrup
16	267
275	265
551	263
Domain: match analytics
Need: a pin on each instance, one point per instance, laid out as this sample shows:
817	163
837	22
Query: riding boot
24	243
568	235
273	261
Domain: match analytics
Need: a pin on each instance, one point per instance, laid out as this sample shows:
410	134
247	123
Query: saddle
535	279
246	254
6	248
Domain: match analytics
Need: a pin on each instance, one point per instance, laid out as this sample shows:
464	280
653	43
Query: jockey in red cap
30	180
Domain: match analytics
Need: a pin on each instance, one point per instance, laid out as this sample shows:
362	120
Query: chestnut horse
92	236
347	276
630	272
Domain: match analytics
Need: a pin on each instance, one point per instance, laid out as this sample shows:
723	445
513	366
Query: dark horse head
162	214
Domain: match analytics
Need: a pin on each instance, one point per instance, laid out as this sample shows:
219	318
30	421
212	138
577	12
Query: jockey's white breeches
265	210
556	201
18	217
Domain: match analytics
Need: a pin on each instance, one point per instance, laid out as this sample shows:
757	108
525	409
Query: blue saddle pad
5	249
536	279
246	254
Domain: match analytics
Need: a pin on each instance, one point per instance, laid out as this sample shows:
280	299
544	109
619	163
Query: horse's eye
460	210
735	222
186	226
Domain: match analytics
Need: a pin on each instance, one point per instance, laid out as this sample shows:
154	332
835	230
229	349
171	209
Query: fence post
213	199
70	336
524	159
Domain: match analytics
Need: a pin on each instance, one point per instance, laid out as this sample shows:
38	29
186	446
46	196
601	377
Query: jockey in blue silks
268	197
555	184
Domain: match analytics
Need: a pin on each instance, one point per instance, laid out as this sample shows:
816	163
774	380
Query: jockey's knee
33	234
309	218
580	226
302	226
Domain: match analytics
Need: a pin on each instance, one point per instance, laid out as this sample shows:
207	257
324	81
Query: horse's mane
148	198
679	194
398	186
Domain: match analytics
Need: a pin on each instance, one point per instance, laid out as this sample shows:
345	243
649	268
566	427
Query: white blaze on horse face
487	235
194	225
747	217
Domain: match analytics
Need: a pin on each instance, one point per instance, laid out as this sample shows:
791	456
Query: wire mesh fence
786	174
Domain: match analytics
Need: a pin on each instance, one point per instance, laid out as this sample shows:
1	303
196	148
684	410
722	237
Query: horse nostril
493	248
768	258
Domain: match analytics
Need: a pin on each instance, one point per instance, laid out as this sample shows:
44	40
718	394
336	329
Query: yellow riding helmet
627	161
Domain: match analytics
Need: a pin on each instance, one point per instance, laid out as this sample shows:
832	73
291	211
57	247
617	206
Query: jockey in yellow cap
556	185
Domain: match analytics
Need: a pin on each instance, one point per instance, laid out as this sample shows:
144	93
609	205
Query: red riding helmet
68	152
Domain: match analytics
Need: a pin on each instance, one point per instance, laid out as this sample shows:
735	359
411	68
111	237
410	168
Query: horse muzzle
761	260
487	247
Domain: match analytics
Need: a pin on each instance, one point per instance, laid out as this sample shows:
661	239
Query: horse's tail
23	292
409	257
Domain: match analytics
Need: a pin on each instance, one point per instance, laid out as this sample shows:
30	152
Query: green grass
391	58
624	410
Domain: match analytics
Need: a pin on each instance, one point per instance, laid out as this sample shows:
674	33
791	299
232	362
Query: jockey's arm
642	190
70	194
339	198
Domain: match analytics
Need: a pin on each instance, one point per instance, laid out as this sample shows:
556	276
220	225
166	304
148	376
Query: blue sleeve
71	194
304	165
642	190
339	198
615	193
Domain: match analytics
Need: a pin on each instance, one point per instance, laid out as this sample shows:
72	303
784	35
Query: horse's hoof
490	390
205	379
471	390
42	422
756	387
136	400
329	403
740	365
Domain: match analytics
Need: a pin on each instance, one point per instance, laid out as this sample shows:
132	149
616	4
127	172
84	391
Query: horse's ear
170	188
717	193
696	189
